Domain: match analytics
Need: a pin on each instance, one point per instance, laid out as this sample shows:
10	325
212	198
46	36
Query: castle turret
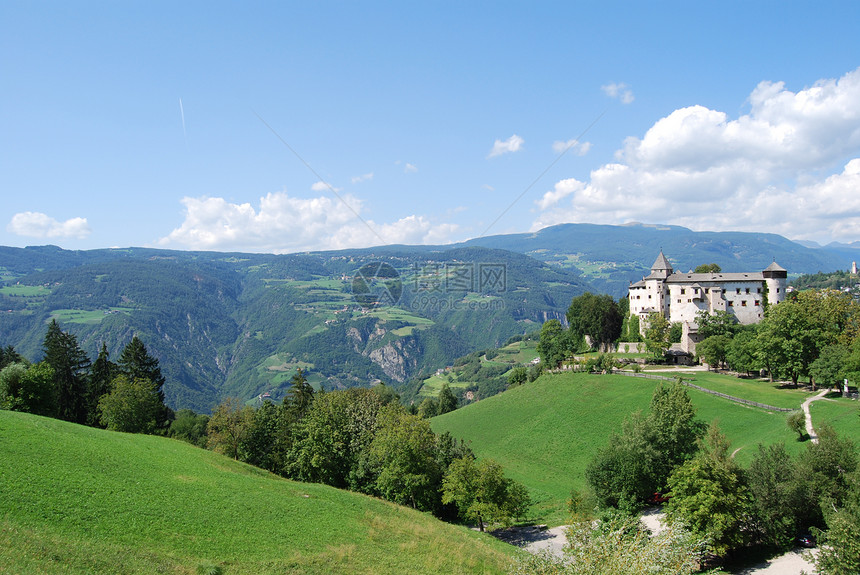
661	268
775	278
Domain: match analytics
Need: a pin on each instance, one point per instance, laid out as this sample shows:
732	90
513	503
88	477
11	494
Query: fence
712	392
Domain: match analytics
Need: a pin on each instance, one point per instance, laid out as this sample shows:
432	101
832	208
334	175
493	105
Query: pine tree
136	363
71	370
102	374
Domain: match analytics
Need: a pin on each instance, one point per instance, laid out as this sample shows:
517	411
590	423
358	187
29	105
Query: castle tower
775	278
661	268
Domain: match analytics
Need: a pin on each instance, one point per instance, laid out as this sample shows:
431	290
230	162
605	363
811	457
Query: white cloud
572	146
322	186
562	189
39	225
362	178
410	168
512	144
618	91
284	224
771	169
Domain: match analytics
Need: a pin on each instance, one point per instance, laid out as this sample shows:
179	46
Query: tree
796	422
102	373
777	495
793	334
554	344
830	369
481	491
741	353
300	396
8	356
403	451
132	406
716	323
189	427
596	317
259	445
708	269
713	350
624	473
228	426
839	545
71	367
136	362
828	467
428	408
518	376
710	497
28	388
638	461
332	437
446	401
657	335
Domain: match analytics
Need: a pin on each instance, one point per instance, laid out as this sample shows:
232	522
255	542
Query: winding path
810	431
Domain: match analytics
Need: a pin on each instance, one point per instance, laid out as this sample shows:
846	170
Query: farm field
93	501
544	433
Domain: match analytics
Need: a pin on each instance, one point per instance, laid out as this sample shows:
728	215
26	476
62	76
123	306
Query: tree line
364	440
66	384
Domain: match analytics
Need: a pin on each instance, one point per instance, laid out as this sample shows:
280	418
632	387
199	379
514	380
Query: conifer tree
71	370
102	374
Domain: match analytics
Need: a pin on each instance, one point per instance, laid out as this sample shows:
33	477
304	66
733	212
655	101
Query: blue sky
283	127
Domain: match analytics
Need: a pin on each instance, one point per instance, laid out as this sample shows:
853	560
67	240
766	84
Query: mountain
235	324
610	257
228	324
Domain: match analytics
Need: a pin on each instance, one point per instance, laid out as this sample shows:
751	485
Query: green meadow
81	500
545	433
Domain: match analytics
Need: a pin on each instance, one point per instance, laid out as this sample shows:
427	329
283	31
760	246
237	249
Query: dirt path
810	431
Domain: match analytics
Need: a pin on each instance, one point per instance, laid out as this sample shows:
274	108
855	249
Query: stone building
680	296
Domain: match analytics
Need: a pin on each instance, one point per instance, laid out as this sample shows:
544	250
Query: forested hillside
242	324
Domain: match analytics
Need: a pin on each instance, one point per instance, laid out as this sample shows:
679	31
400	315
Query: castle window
683	291
737	290
744	303
748	290
679	301
758	290
757	302
731	304
777	290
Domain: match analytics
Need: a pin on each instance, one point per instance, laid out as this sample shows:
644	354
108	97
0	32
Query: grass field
80	500
842	414
25	291
85	316
545	433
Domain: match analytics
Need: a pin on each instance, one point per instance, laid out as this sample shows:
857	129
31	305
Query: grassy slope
80	500
546	432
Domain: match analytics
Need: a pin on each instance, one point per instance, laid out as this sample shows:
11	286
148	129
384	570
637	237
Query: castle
679	296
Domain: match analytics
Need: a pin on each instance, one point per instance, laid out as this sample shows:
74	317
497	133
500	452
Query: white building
679	296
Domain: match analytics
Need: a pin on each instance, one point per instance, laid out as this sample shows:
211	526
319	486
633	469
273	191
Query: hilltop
82	500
